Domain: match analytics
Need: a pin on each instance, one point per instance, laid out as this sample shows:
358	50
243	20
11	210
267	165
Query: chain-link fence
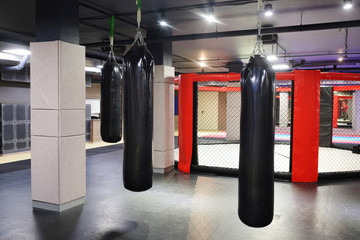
218	125
218	135
339	126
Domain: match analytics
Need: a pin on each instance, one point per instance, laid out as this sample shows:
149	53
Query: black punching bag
256	168
111	102
138	119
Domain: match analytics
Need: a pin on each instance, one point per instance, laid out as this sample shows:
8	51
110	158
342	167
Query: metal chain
139	39
346	42
259	46
112	54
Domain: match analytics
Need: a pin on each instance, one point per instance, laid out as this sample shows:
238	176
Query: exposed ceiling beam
183	8
108	14
237	33
99	55
104	29
183	59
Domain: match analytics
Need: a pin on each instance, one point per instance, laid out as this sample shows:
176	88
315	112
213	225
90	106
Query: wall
222	111
93	92
11	92
233	113
208	111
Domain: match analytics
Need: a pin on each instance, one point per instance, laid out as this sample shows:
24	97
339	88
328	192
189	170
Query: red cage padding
306	117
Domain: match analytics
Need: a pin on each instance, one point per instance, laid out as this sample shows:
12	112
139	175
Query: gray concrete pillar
58	166
163	118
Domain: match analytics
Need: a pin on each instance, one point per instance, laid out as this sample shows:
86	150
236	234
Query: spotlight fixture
271	58
202	64
210	17
340	59
347	4
163	21
268	10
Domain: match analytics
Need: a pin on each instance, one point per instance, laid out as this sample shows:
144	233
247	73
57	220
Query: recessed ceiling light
280	66
21	52
340	59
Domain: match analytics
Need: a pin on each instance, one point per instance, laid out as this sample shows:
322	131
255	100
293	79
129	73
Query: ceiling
319	49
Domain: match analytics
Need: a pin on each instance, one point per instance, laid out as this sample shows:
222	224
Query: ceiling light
92	69
280	66
6	56
21	52
163	21
99	66
340	59
210	16
268	10
271	58
347	4
202	64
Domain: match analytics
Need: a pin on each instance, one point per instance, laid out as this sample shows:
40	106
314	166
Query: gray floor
179	206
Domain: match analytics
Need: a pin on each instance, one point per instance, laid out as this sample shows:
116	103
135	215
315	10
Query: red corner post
306	126
185	121
335	110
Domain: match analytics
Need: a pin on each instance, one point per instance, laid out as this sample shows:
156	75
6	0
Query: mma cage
317	124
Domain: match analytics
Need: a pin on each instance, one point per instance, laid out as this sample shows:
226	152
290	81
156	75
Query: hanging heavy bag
256	168
138	119
111	102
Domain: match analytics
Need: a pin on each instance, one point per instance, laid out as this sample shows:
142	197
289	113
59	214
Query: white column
356	112
284	109
163	119
58	168
233	105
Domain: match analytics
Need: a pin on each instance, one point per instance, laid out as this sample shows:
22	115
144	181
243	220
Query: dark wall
14	93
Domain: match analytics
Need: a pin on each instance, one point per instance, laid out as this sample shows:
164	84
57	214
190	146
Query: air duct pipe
18	67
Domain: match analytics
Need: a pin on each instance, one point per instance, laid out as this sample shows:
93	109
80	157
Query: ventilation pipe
18	67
